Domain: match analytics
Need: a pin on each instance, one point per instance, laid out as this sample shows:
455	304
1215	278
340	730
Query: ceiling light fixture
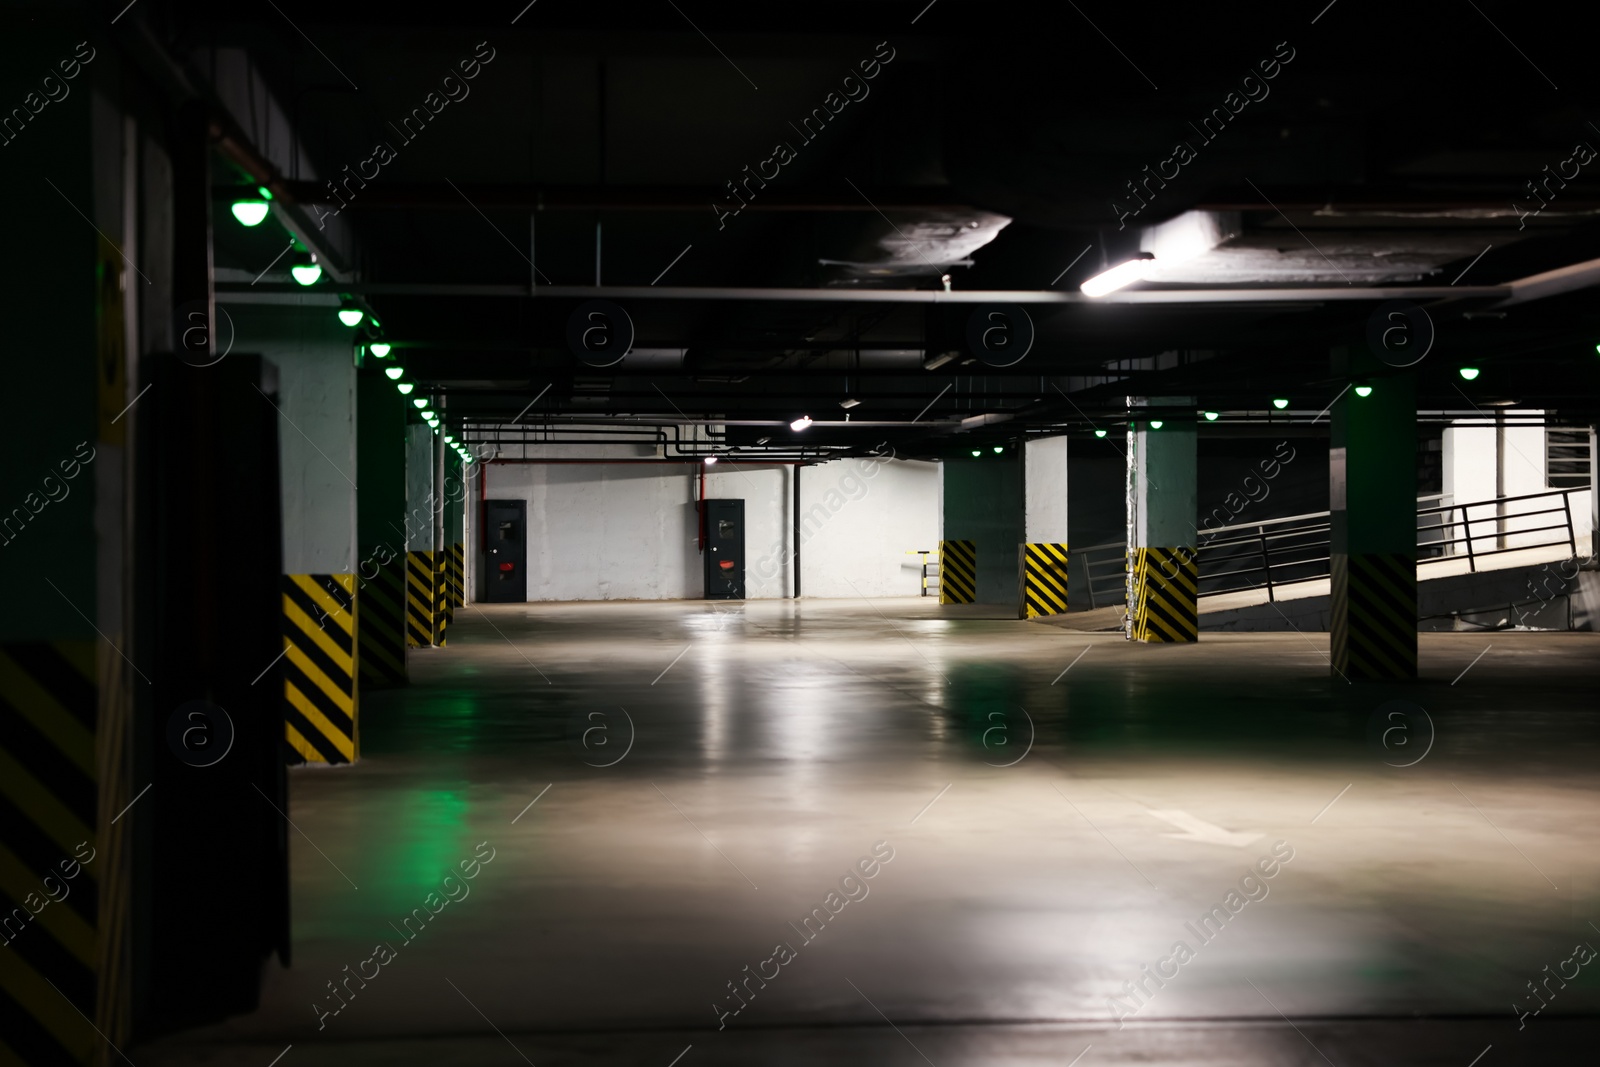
998	449
710	460
1280	403
1156	424
848	404
1110	281
1211	416
945	357
976	453
1363	390
1099	433
801	423
421	402
350	313
380	348
250	212
393	373
404	387
434	422
306	270
1470	373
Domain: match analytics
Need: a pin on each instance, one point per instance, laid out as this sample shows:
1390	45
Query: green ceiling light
998	449
306	270
976	453
380	348
1363	390
404	387
1156	424
1280	403
1211	416
434	423
266	194
393	373
420	401
250	212
1099	433
449	440
1470	373
429	417
350	313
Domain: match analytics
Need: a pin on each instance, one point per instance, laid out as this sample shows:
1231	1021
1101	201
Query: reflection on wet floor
670	788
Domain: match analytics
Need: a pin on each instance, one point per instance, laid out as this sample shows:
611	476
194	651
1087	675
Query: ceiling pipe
263	291
629	198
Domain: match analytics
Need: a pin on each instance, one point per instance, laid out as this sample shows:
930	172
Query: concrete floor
772	744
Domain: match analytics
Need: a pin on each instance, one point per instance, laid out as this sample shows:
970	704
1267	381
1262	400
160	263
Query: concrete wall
621	531
316	430
983	503
1470	465
859	518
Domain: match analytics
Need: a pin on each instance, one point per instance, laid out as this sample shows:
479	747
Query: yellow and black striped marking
419	599
1374	615
383	624
958	572
443	613
48	798
1166	595
319	668
1044	579
458	584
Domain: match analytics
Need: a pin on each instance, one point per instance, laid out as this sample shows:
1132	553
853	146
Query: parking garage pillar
1373	499
380	528
1042	556
982	524
1163	575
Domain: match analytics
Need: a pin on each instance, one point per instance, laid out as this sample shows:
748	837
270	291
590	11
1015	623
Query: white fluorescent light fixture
801	423
848	404
945	357
710	460
1122	274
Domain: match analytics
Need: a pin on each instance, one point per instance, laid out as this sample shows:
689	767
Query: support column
380	528
1373	498
419	535
982	526
1163	574
1042	556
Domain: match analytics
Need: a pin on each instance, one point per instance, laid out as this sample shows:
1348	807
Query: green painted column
1163	595
1373	497
380	527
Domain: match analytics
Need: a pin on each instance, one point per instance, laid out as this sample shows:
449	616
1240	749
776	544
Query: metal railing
1298	548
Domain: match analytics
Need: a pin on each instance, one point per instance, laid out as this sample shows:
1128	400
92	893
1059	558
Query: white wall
1469	476
859	518
618	531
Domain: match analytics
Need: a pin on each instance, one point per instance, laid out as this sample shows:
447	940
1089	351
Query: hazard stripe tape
49	795
443	613
1044	579
458	587
1373	621
1166	595
320	627
419	599
958	572
382	648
